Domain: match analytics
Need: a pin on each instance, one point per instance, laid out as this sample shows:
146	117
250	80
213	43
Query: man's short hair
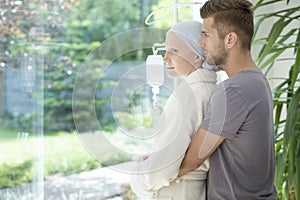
231	16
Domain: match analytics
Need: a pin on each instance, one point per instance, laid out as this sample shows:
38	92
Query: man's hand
202	146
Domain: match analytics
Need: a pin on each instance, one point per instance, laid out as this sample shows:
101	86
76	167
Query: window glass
74	89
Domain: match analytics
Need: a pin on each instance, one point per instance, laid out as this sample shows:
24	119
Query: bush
12	175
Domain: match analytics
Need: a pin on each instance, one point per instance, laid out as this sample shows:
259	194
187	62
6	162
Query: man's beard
219	58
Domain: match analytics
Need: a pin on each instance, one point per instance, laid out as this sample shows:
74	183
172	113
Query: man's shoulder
246	76
245	81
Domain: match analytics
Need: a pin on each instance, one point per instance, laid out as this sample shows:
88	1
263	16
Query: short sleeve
226	112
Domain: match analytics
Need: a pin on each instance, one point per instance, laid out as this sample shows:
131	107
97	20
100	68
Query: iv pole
175	19
175	12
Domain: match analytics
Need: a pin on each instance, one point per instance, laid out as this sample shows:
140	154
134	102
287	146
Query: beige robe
182	116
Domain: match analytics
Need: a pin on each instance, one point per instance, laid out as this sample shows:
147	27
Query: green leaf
262	3
277	29
285	94
277	117
274	34
270	61
296	67
291	116
297	176
297	40
279	171
257	5
256	28
285	191
292	149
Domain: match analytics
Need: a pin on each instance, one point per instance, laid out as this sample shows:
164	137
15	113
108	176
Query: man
237	131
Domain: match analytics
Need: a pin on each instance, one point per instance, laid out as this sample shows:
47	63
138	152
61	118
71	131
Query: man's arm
202	146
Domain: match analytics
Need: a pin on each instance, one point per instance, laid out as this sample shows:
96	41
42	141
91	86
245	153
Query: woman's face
179	58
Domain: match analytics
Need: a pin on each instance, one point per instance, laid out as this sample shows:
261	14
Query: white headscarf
190	32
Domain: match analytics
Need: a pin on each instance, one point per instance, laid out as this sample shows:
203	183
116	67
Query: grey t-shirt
241	110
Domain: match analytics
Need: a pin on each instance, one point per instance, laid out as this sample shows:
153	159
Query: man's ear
231	40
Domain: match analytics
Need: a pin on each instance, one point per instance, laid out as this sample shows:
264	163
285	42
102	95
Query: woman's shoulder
202	75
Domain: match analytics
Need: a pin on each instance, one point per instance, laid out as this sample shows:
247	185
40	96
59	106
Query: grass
62	148
65	154
61	152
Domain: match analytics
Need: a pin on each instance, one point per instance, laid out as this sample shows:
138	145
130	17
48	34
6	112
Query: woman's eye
174	51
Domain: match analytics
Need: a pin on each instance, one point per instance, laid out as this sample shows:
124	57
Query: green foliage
72	30
130	121
63	154
164	13
286	95
14	174
99	20
22	24
85	29
69	163
84	112
140	113
59	82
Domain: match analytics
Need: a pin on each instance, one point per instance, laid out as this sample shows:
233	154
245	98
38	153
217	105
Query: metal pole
176	81
196	11
175	12
38	124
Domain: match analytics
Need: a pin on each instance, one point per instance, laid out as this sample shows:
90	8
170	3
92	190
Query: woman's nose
166	57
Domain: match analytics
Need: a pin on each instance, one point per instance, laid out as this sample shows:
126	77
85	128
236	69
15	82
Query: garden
45	44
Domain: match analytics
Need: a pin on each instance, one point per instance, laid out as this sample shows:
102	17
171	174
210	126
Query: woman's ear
198	61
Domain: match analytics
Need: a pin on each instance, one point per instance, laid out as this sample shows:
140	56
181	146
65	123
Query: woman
183	113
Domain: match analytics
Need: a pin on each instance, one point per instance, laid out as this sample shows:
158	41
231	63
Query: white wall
281	68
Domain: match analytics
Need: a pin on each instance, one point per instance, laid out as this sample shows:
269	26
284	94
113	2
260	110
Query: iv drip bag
155	78
155	70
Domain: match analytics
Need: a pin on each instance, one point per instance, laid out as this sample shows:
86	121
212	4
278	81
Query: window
72	68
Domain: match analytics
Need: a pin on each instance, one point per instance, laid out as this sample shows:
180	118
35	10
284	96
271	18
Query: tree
27	31
87	24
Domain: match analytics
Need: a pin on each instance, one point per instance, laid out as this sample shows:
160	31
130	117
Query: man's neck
237	62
